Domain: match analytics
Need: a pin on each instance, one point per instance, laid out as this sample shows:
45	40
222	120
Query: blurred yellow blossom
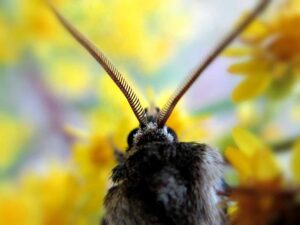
61	195
252	159
57	194
94	153
270	49
27	27
17	207
93	157
37	21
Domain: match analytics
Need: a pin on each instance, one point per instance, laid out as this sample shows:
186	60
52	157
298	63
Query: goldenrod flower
271	52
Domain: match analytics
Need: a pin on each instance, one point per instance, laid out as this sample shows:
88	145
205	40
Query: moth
160	180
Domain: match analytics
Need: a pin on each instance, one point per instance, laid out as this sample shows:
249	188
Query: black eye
172	132
131	136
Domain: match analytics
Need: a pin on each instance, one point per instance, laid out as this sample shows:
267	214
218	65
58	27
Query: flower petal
249	67
247	142
239	161
256	31
237	52
251	87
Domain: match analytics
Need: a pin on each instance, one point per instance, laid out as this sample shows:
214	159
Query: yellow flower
17	207
26	27
94	154
252	159
64	195
270	54
38	23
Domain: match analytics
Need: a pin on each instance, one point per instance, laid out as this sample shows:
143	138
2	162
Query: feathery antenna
189	81
115	75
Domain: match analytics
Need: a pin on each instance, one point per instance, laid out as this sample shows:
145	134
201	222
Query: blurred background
61	115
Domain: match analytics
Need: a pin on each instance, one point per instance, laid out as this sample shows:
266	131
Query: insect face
151	132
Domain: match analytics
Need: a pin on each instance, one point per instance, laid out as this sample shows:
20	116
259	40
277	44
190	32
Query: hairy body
165	182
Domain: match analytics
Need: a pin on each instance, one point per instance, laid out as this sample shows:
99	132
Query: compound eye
131	136
172	132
